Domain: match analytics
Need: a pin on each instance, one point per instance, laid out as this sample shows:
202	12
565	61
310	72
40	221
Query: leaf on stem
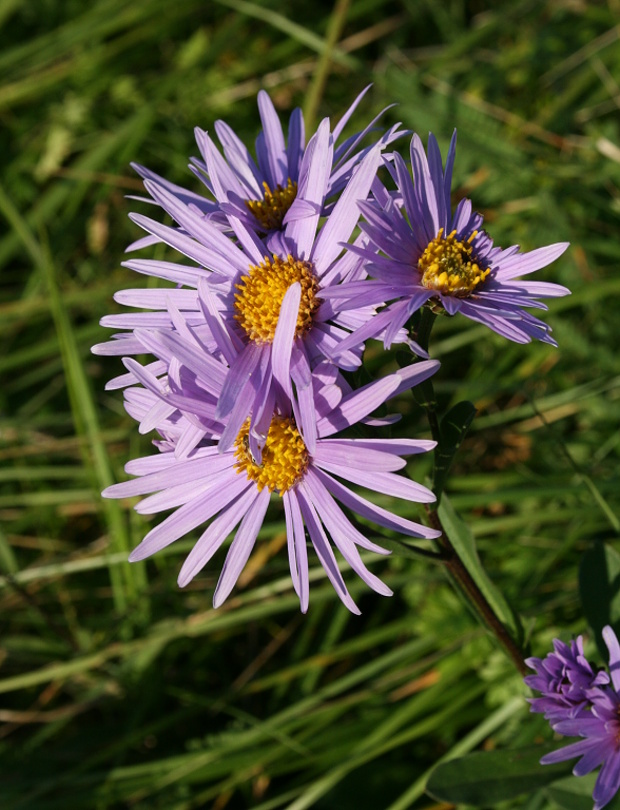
453	429
464	544
484	778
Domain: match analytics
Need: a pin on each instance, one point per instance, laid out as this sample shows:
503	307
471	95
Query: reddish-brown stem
461	576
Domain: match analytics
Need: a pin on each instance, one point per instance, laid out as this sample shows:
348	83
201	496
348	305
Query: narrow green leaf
486	777
463	541
599	587
453	428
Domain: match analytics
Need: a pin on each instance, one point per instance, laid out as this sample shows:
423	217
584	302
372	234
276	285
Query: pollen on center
285	458
449	266
271	210
262	290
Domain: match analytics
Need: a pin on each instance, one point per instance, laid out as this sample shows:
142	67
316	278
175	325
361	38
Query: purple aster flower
564	678
430	255
599	727
259	309
263	193
224	490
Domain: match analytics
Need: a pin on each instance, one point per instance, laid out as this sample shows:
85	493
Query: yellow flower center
285	458
447	265
261	292
271	210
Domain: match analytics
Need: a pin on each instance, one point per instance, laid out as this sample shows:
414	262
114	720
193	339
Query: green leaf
599	586
486	777
464	544
453	429
576	793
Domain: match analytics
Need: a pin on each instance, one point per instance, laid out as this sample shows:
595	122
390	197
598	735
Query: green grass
116	688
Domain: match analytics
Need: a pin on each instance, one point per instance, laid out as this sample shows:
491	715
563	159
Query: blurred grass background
116	688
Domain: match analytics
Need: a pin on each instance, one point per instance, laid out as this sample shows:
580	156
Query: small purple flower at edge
596	720
563	678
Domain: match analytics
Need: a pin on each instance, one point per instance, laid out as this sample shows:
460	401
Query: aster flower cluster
581	702
280	286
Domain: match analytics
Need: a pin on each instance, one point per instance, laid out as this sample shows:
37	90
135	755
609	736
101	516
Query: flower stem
457	571
425	393
468	586
425	327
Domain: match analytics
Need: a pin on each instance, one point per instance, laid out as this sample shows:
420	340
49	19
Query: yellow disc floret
448	266
271	210
285	457
261	292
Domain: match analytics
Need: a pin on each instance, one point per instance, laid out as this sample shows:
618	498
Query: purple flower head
264	193
564	679
430	255
258	308
598	723
221	491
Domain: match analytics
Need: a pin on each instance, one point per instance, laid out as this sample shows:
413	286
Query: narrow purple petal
590	760
374	513
343	542
522	263
239	374
210	371
332	515
414	374
389	484
228	342
241	547
372	329
290	541
324	551
399	447
299	551
159	411
222	177
357	405
179	494
189	516
350	455
236	505
169	271
608	781
119	345
276	163
241	409
296	142
347	115
304	403
152	464
239	158
123	380
184	472
283	340
610	639
312	188
346	213
189	440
